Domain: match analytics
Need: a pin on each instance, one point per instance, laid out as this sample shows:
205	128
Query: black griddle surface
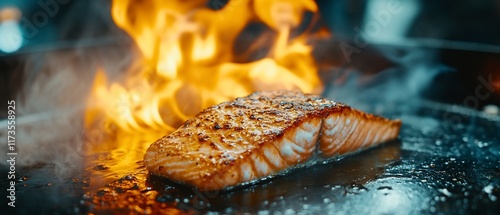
446	161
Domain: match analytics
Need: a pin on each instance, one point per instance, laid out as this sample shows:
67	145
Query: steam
51	103
385	22
412	73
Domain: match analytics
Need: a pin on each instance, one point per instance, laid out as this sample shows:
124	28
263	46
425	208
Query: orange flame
189	60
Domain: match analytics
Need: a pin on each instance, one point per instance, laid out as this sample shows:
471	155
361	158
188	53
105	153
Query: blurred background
461	38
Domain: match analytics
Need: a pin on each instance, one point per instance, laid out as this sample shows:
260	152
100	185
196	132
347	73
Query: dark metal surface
447	161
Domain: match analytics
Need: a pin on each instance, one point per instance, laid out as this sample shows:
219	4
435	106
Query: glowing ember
189	60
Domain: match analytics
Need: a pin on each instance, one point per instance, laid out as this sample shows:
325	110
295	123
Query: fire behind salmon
260	135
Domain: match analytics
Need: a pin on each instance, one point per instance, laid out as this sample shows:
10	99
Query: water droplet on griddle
445	192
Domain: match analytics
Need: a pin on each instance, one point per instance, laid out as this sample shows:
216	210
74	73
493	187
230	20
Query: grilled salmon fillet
260	135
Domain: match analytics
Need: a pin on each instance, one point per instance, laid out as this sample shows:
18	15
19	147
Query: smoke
408	71
412	73
50	104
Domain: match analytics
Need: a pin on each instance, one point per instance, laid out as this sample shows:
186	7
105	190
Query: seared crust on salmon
262	134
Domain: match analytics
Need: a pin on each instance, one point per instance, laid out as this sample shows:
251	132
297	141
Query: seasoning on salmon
260	135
